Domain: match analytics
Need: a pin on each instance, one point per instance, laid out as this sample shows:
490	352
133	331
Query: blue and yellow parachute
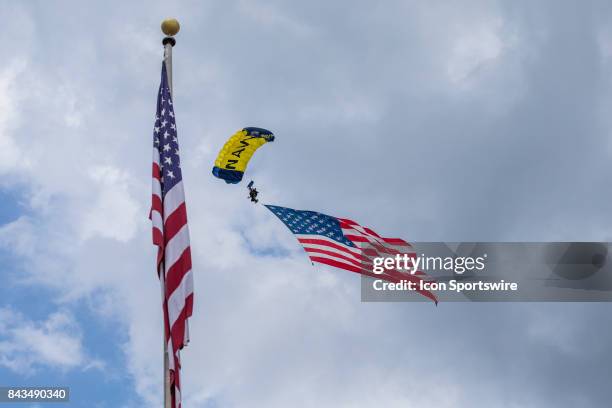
233	158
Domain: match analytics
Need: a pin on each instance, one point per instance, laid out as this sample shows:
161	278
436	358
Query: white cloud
18	236
56	342
114	203
473	48
270	15
11	155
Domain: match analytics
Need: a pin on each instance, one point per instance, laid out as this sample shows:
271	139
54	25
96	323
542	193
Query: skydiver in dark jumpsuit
253	193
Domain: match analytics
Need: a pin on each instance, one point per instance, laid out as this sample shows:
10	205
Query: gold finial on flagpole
170	26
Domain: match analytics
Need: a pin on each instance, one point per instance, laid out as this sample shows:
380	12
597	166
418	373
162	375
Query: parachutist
253	192
253	195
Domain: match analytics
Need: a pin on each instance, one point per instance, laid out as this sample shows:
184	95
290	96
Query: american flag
344	244
171	234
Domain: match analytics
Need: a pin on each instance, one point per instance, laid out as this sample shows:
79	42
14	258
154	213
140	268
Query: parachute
233	158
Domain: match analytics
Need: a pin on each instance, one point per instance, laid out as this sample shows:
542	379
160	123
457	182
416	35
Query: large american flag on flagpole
171	234
344	244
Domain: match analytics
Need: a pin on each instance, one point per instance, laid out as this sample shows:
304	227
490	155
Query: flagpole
170	27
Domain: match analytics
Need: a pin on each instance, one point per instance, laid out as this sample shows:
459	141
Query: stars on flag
165	127
310	222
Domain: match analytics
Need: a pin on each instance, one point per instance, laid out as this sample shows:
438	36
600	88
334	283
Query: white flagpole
167	393
170	28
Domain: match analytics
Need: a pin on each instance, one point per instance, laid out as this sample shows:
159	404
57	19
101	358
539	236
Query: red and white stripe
358	259
171	235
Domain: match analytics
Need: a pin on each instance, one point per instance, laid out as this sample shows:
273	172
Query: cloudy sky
426	120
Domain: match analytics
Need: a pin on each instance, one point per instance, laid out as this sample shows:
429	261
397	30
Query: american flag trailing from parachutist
344	244
171	235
